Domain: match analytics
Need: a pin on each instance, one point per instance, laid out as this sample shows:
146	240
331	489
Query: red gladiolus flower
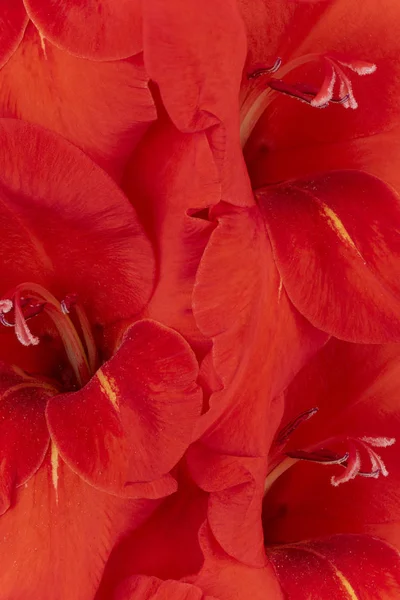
97	406
200	246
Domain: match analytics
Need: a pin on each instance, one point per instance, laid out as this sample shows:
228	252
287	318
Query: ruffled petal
166	546
13	21
195	53
104	108
133	421
239	302
227	579
236	488
59	533
68	226
343	567
23	431
168	194
337	248
95	29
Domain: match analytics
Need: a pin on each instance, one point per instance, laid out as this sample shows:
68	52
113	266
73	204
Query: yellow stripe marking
54	468
109	388
343	580
336	224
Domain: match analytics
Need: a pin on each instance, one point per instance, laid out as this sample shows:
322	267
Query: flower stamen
38	300
352	458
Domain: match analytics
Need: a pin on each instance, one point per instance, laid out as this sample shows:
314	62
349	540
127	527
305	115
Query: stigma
356	456
28	300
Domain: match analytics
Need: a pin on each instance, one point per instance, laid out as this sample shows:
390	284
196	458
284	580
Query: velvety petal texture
104	108
197	80
338	252
94	29
344	567
239	302
23	430
58	535
133	421
170	180
13	21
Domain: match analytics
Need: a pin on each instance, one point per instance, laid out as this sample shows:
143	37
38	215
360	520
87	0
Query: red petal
23	430
336	246
198	71
133	421
95	29
71	232
239	302
166	546
71	96
236	487
141	587
13	21
163	190
57	548
343	567
227	579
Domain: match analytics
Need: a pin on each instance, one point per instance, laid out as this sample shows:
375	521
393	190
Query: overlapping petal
171	178
198	80
228	579
172	530
94	29
236	487
239	302
24	436
133	421
338	253
104	108
59	533
343	567
68	226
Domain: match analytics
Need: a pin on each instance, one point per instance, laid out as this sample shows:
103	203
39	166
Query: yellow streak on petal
346	584
109	388
336	224
343	580
54	469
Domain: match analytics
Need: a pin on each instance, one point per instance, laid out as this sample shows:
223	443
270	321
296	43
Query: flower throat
29	300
